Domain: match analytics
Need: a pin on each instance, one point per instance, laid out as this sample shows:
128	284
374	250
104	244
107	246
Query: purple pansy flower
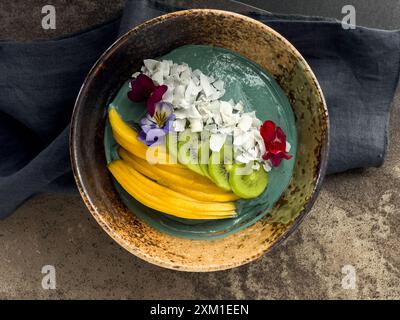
156	127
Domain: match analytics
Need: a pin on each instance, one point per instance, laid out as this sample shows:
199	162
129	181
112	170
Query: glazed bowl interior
155	38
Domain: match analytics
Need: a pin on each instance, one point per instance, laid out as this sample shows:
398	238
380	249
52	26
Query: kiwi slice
247	184
188	152
204	156
171	144
219	167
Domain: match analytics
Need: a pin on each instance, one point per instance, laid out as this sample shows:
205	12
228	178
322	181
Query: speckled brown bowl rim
82	187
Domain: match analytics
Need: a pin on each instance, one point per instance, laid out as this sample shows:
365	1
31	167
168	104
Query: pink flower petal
287	156
155	97
275	143
142	87
267	131
276	159
281	136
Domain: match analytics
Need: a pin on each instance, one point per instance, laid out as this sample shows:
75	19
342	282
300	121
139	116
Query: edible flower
155	127
275	143
143	88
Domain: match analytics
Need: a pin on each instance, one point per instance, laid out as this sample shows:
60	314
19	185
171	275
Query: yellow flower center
160	118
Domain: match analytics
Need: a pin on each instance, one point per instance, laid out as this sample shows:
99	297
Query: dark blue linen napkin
39	81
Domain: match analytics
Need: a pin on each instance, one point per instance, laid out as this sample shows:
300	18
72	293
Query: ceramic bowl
155	38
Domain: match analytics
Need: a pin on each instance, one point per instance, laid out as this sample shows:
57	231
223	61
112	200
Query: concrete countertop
355	221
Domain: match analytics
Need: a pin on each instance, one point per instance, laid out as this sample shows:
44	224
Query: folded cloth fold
358	70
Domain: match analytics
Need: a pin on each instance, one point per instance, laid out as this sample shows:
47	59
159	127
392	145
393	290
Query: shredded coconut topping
198	105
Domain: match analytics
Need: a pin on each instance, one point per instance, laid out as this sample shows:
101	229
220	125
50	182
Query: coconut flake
185	76
192	90
241	158
179	95
179	125
212	128
192	112
238	107
226	110
169	95
256	166
245	122
180	114
136	74
267	166
217	141
206	85
240	139
219	85
182	67
196	125
288	146
151	64
217	94
158	77
165	67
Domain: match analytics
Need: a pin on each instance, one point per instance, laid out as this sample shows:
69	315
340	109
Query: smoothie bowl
199	140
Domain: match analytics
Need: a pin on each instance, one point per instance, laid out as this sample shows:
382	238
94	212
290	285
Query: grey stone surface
355	221
384	14
21	19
